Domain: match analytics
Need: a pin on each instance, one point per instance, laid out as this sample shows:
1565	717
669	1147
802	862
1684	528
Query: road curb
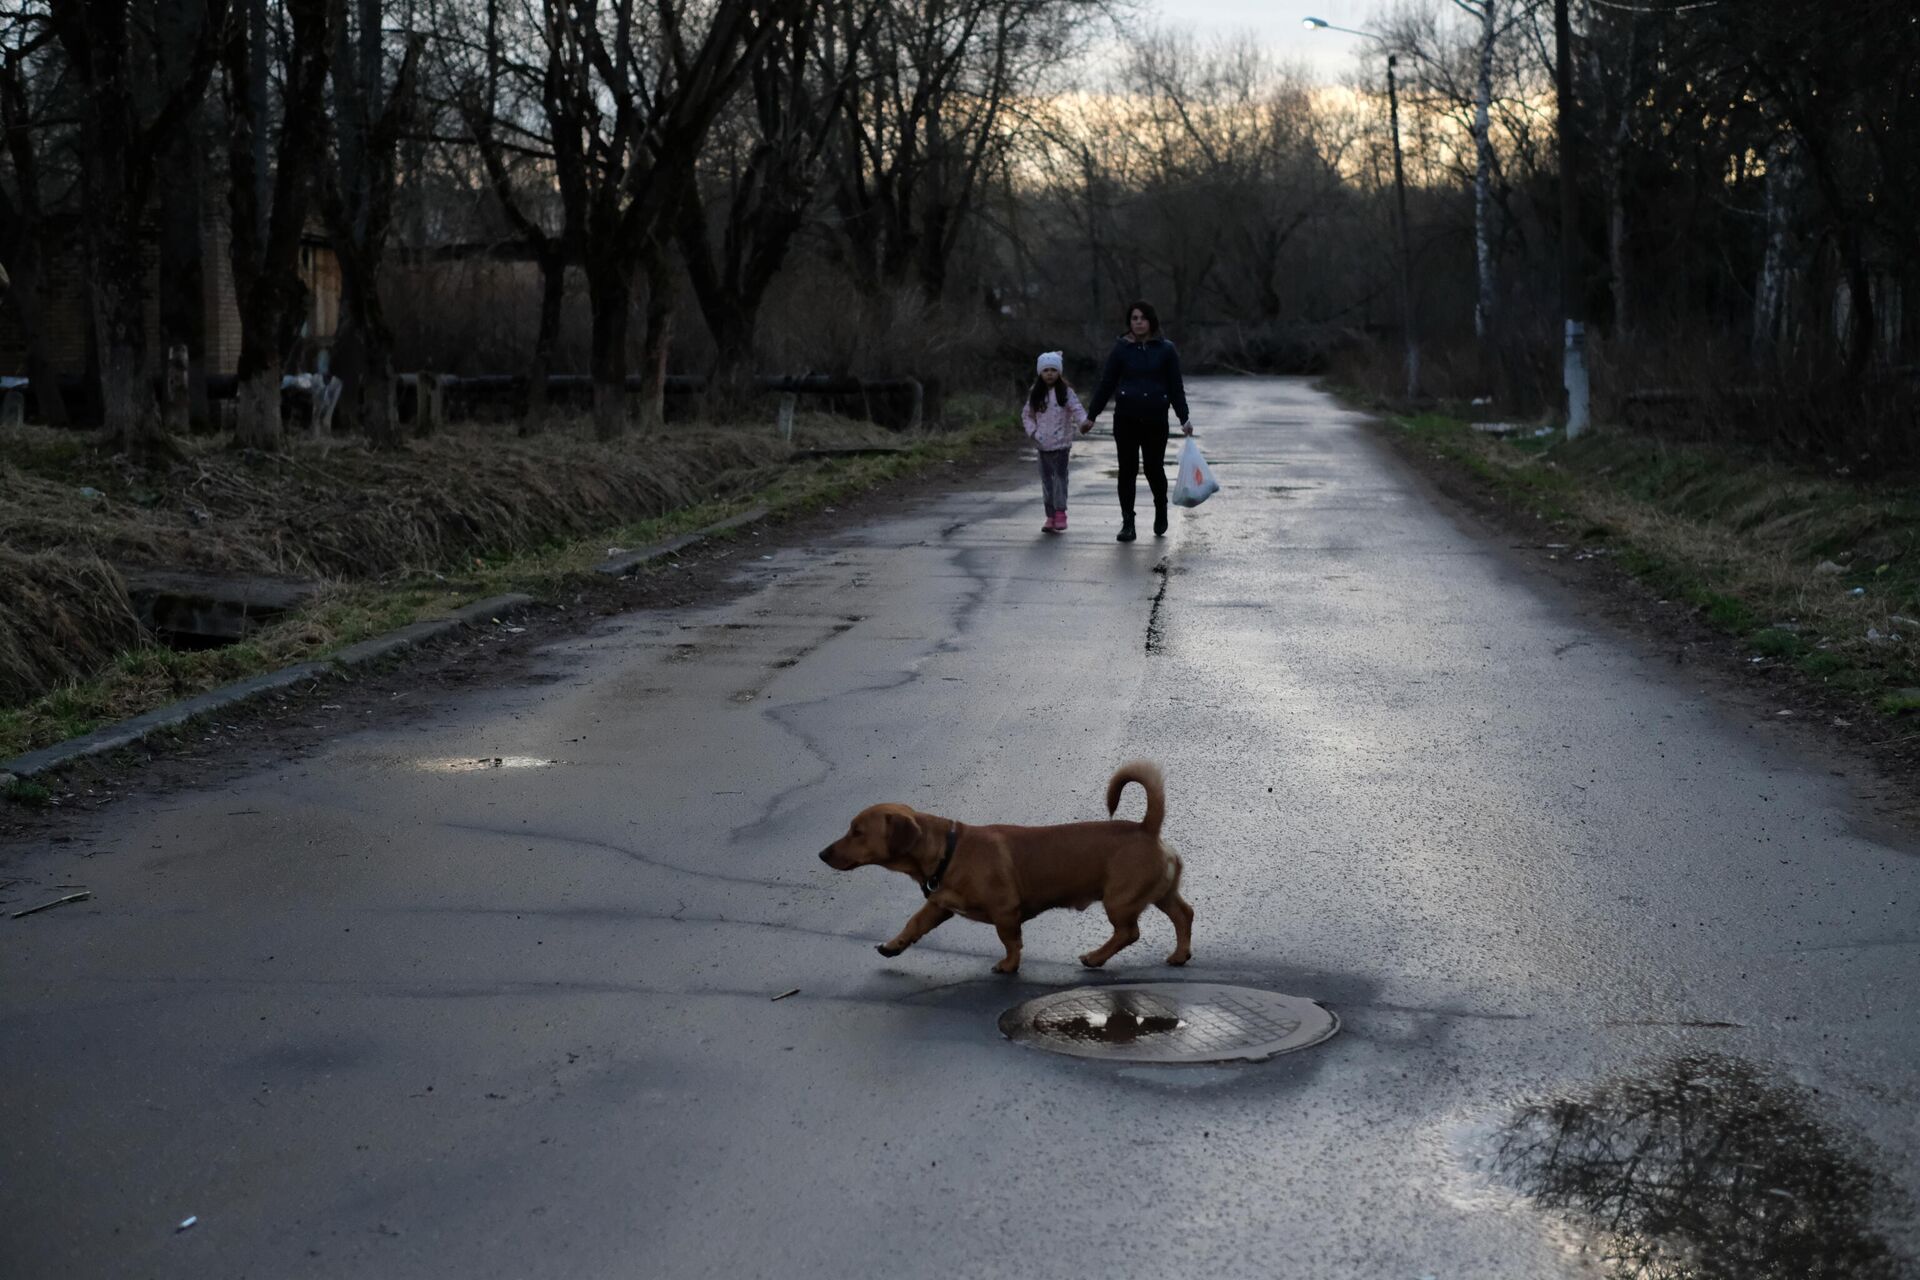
627	561
126	733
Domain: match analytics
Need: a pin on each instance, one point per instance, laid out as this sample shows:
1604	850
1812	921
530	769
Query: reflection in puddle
471	764
1701	1170
1128	1018
1118	1028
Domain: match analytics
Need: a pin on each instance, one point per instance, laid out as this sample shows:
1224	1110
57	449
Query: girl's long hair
1037	396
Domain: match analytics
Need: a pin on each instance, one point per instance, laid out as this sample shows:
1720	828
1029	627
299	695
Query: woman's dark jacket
1142	379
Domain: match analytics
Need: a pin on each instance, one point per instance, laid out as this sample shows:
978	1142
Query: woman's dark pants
1142	442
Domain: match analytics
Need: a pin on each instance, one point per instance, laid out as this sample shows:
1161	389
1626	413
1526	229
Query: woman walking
1142	378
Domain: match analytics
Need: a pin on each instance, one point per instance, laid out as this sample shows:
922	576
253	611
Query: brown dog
1004	876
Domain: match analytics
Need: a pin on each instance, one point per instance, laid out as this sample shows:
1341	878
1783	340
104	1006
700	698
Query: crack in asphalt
1156	636
556	837
960	619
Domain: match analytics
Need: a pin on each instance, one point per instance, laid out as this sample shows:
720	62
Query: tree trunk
177	404
379	400
378	413
29	304
1483	176
348	362
1861	323
931	252
1573	284
256	422
553	297
119	318
259	107
182	280
657	343
1769	293
730	379
610	294
257	406
1618	267
1617	246
718	292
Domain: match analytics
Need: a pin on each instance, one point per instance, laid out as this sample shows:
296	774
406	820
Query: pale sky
1329	54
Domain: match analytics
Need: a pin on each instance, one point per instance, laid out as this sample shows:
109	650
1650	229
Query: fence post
427	405
915	419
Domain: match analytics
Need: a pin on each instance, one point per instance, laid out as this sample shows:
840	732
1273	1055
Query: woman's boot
1160	518
1126	527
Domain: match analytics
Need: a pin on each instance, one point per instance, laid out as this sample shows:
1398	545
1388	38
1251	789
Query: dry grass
65	615
338	510
1820	572
125	675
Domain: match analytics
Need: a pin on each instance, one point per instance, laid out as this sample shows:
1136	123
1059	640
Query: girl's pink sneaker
1060	522
1053	523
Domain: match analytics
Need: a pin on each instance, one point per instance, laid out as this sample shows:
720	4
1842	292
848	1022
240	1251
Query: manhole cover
1169	1022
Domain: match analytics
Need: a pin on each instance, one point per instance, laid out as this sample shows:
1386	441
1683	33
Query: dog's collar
932	882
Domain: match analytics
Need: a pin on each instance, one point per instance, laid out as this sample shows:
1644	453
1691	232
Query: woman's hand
1086	425
1186	428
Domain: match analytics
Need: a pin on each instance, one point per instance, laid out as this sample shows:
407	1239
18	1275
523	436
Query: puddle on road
1120	1027
474	764
1168	1022
1701	1169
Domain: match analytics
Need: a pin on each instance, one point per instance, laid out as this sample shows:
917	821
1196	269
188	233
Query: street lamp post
1400	199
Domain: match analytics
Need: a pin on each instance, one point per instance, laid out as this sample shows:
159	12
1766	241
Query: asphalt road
380	1014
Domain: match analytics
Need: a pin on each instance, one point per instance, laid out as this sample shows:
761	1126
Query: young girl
1050	415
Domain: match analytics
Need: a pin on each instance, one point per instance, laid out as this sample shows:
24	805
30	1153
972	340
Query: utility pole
1573	285
1400	199
1406	240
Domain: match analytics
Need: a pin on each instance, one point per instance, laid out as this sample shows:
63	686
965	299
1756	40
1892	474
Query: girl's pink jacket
1054	426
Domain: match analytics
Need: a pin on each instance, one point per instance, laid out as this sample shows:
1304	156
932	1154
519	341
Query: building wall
68	319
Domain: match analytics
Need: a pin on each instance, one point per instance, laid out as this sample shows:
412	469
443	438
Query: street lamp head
1315	24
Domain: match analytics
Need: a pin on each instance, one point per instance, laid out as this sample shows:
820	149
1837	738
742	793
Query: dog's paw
1179	957
1093	960
888	951
1007	966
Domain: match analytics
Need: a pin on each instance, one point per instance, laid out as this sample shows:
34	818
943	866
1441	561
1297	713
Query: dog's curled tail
1151	780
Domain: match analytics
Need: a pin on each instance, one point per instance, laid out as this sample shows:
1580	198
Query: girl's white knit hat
1054	360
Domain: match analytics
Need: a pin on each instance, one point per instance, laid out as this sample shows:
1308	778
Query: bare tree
765	166
499	105
269	214
933	117
1245	162
131	106
369	117
630	95
24	225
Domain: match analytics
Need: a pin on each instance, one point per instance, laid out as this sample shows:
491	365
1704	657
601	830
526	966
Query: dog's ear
903	833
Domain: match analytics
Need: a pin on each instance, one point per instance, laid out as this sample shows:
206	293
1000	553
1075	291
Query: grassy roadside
1819	573
140	679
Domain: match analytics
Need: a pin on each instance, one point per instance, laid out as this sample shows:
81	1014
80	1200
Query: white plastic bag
1195	483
